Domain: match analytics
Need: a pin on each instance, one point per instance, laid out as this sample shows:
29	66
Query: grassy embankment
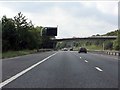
10	54
91	47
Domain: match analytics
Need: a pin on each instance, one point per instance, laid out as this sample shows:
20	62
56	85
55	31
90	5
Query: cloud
73	19
70	26
5	10
107	7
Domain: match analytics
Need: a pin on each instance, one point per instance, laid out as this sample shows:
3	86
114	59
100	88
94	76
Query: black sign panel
50	31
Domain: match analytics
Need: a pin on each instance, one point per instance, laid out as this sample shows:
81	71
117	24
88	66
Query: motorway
60	69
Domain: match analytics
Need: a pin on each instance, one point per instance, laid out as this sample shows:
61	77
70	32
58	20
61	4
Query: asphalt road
62	69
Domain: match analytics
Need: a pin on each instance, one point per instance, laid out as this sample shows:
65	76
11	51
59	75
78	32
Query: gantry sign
49	31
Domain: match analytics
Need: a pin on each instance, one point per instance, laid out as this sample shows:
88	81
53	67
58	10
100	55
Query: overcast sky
74	19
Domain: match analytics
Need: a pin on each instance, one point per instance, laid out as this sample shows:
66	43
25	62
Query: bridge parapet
88	38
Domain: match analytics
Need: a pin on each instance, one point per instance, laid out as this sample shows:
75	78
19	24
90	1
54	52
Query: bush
108	45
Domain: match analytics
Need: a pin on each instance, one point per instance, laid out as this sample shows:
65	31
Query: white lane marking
24	71
99	69
80	57
86	61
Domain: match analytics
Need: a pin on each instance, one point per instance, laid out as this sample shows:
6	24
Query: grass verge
94	47
91	47
10	54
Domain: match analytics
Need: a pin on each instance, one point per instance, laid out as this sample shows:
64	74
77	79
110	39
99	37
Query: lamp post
41	31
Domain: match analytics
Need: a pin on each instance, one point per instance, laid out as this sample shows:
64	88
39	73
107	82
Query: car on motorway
82	50
65	49
71	49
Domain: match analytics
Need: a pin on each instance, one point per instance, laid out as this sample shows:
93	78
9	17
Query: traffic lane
64	70
108	65
13	66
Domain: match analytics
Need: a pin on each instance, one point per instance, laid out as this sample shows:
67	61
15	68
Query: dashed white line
99	69
80	57
86	61
24	71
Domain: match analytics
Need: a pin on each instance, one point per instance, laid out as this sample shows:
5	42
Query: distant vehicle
71	49
65	49
82	50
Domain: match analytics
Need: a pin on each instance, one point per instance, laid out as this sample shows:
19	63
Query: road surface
60	69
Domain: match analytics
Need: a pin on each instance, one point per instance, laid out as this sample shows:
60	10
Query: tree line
18	34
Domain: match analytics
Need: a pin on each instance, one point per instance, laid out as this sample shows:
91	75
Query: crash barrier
115	53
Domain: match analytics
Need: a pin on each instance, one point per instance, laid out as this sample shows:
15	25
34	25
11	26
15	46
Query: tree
98	35
8	33
116	43
109	45
23	28
20	34
88	43
113	33
118	39
37	38
61	45
76	44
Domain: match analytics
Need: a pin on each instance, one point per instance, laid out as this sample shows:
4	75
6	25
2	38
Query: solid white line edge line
24	71
99	69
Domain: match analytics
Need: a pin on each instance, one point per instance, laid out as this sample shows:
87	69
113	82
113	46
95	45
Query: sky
74	18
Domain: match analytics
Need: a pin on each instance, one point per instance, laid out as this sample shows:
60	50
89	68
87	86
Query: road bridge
88	38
